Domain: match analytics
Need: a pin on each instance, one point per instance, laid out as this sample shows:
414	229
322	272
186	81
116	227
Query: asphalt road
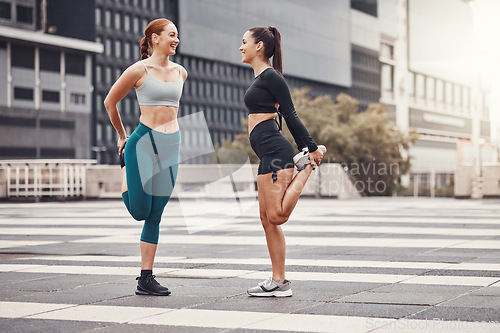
367	265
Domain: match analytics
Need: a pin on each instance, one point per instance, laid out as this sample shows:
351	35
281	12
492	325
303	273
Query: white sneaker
271	288
301	160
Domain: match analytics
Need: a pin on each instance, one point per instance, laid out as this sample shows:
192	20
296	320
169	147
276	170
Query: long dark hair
154	27
271	38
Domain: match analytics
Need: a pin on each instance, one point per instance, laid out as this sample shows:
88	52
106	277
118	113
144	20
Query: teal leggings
151	161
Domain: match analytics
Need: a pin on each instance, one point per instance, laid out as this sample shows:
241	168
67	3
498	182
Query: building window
126	23
108	78
201	89
23	93
50	96
366	6
387	77
77	98
98	132
23	56
107	19
222	92
50	61
126	50
109	133
75	64
107	47
387	51
24	14
126	106
117	21
98	20
136	25
99	103
5	10
98	73
193	86
208	89
118	48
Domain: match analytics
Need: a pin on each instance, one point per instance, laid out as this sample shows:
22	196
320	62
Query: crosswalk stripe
121	219
399	219
130	229
183	317
18	243
225	319
309	241
358	242
289	262
248	274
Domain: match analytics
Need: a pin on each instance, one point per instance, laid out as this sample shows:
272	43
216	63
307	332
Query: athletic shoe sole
149	293
276	293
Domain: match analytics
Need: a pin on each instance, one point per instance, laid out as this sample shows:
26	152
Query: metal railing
47	177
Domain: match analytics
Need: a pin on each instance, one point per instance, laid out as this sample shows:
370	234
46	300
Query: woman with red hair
150	156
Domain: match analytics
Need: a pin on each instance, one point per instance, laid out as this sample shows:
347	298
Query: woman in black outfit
278	190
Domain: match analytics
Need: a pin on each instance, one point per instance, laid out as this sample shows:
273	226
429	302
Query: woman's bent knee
276	218
139	213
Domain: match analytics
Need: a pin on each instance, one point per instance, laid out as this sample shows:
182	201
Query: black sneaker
150	287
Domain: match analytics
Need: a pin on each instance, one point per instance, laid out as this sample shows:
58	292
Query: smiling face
167	41
249	49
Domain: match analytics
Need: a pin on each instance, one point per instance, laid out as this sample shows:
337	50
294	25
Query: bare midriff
161	118
255	118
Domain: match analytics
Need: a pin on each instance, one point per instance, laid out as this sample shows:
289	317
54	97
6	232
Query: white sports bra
157	92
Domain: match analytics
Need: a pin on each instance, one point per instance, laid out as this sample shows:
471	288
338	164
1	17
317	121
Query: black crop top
270	88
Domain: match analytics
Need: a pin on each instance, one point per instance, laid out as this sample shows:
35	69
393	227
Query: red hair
154	27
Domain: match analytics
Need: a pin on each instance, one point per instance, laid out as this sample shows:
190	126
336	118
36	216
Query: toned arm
279	89
118	91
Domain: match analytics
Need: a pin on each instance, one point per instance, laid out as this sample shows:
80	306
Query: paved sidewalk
367	265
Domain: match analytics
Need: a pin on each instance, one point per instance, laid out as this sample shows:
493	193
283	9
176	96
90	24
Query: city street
367	265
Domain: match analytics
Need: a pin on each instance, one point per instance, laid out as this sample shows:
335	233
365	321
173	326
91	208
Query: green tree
366	143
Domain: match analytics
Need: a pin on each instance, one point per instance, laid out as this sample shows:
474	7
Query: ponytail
277	62
271	38
144	48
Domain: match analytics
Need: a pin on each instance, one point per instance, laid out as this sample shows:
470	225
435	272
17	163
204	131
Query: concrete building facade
45	85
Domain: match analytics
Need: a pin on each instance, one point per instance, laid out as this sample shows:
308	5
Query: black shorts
273	149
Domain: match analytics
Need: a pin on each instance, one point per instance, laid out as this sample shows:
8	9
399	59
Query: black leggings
273	149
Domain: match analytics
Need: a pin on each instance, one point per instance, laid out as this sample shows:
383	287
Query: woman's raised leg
282	195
